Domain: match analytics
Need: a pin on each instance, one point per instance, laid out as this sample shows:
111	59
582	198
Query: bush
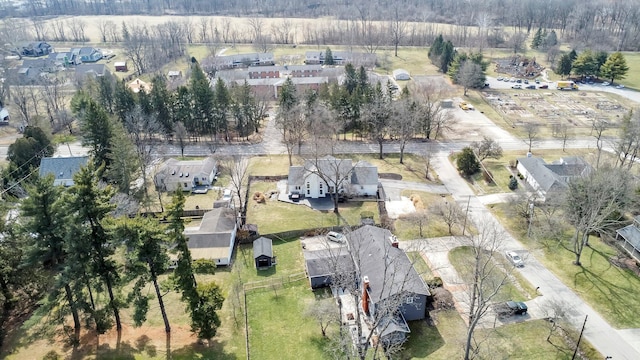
259	197
204	266
434	283
513	183
417	201
467	162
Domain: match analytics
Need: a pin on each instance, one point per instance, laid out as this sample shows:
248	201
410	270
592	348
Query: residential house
138	85
62	168
35	49
341	58
121	66
302	84
401	74
630	236
187	175
263	253
240	61
215	238
298	71
548	178
60	60
84	55
360	179
90	70
392	289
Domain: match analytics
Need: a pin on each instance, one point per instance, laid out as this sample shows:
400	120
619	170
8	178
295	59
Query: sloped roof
62	168
388	268
364	173
265	68
326	262
97	69
296	175
329	165
397	72
219	220
172	168
550	176
262	246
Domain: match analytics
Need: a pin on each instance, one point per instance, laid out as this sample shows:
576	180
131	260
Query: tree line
598	24
593	64
64	250
377	112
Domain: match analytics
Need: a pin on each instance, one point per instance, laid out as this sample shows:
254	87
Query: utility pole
580	337
531	207
466	215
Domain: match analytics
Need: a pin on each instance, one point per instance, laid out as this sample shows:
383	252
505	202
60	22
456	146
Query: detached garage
263	253
401	74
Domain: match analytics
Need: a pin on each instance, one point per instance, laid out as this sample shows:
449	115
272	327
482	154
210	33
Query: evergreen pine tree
328	57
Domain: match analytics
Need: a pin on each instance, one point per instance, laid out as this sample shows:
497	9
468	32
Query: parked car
499	78
514	258
513	80
517	86
620	86
606	83
532	87
464	106
335	237
517	307
537	81
226	195
545	86
526	81
519	81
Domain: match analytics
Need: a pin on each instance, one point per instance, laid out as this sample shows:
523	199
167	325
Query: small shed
263	253
630	235
174	74
401	74
120	66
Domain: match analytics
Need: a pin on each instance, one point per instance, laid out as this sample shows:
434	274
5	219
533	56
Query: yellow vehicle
465	106
566	85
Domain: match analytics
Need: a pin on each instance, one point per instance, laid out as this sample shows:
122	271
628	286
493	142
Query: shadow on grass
423	340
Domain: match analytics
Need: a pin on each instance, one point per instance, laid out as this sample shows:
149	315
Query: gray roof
388	268
364	174
174	167
265	68
262	246
326	262
62	168
4	113
550	176
397	72
631	234
303	67
329	165
207	241
218	220
296	175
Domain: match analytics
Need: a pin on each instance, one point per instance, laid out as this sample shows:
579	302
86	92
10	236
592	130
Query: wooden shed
263	253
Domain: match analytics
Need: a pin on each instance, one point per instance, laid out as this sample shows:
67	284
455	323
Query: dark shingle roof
551	176
62	168
326	262
364	174
262	246
296	175
219	220
388	268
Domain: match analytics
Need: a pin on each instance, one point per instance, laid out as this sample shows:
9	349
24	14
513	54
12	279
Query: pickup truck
510	308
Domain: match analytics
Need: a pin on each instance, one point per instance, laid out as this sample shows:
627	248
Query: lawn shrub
417	201
204	266
513	183
259	197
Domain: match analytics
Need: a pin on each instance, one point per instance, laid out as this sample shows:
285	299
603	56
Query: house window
409	299
320	191
185	184
320	185
308	186
308	192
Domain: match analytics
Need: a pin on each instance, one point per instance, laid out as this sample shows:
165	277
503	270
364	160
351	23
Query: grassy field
276	216
435	227
604	286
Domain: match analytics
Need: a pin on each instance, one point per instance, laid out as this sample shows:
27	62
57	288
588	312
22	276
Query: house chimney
365	295
394	241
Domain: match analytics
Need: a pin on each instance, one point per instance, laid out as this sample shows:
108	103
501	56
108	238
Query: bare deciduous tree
237	167
487	148
449	212
324	312
532	130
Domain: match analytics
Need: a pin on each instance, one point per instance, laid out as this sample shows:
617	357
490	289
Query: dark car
545	86
518	308
532	87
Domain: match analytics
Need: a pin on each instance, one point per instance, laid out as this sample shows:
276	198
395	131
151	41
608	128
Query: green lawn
611	290
462	259
420	265
500	174
276	216
435	227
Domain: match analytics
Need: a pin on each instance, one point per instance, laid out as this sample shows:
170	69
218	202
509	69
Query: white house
187	175
360	179
546	178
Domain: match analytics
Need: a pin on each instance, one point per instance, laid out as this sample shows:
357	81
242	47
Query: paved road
620	344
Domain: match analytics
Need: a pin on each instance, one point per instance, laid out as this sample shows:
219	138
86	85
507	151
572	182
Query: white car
335	237
606	83
226	195
514	258
620	86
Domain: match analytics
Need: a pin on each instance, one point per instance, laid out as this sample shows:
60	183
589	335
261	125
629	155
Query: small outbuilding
263	253
121	66
401	74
